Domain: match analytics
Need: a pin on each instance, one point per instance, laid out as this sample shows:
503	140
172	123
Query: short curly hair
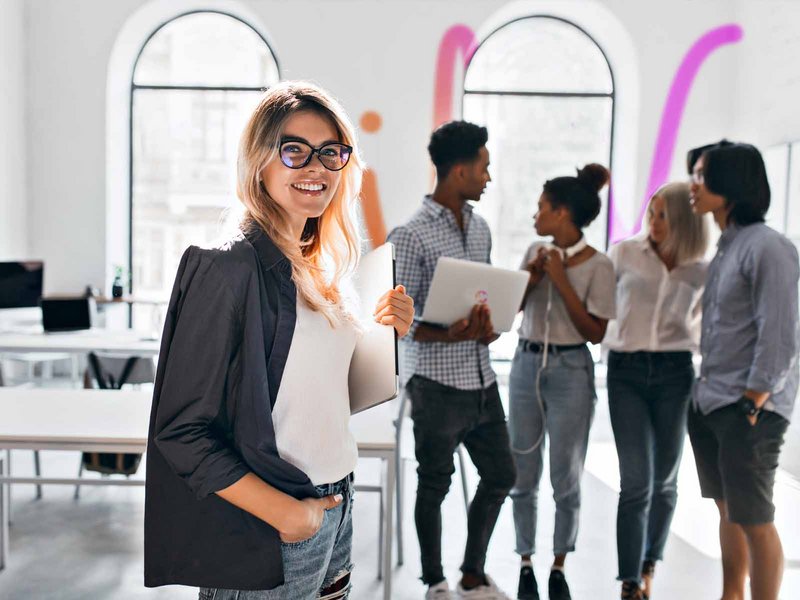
454	143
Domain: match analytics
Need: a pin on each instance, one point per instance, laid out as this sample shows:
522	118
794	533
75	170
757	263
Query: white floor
92	548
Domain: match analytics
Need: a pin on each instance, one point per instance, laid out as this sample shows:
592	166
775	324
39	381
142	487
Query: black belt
537	347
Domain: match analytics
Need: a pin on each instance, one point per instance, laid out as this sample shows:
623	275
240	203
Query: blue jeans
648	397
314	564
568	397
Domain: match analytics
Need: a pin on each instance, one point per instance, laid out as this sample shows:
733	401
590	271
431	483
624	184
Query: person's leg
749	461
669	404
526	425
489	447
766	561
568	390
633	436
441	416
733	545
337	583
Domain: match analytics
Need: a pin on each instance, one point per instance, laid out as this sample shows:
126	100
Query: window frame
550	94
202	88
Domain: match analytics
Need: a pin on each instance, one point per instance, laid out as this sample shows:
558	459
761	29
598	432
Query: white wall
13	196
388	68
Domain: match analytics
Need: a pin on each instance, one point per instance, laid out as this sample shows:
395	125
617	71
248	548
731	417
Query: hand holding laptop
477	327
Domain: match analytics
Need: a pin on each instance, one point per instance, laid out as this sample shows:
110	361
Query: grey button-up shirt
750	334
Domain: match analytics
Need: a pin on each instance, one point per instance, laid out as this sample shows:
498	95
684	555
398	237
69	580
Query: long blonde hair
688	232
330	245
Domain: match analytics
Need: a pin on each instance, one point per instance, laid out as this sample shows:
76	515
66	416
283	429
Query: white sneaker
440	591
490	591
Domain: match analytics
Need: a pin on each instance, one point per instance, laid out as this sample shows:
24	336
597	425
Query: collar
728	235
268	253
440	210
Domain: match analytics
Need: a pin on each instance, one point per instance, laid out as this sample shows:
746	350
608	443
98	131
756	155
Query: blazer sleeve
192	393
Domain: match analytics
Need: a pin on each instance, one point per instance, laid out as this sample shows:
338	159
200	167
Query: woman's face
306	192
657	214
703	200
547	219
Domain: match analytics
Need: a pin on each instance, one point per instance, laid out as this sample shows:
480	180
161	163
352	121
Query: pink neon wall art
671	119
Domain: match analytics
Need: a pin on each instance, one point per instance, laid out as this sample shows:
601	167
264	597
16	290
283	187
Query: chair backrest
112	371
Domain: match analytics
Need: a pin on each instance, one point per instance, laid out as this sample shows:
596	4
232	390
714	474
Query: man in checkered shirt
447	374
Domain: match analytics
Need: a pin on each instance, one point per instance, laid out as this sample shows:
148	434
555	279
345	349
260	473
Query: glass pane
532	139
539	54
206	49
184	151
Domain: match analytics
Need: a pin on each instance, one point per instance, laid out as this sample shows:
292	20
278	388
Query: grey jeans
314	564
568	397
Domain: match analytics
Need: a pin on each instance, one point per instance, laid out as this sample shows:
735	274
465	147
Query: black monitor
21	283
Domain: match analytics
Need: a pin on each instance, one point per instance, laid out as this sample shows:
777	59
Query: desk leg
388	526
4	499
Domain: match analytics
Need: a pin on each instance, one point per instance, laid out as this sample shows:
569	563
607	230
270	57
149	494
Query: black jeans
648	397
445	417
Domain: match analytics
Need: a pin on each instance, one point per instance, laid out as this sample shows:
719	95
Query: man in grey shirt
744	397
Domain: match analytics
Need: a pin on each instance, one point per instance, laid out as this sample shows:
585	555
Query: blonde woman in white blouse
660	280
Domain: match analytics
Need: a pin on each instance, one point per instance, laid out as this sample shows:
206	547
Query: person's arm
773	273
535	268
408	270
589	326
191	399
477	327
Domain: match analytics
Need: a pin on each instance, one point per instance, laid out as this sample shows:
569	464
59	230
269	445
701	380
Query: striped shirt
433	232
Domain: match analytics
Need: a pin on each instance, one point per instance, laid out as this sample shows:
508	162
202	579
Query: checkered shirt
433	232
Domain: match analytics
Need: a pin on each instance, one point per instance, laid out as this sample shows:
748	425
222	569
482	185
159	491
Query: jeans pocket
305	542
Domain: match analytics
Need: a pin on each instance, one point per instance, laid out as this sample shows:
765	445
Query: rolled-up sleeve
773	271
408	269
192	394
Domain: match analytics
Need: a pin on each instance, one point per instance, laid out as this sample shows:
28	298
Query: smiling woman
251	406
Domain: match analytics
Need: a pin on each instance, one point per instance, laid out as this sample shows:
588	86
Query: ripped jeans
318	567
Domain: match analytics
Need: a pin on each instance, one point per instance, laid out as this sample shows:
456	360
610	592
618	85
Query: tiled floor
62	549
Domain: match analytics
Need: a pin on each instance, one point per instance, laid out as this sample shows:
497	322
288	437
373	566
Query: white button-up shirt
657	310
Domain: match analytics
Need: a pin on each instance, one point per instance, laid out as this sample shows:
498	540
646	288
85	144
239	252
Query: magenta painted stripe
671	118
458	39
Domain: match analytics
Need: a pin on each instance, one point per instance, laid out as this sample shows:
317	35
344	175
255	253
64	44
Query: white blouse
657	310
312	412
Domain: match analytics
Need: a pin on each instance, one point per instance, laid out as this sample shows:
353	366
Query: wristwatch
748	406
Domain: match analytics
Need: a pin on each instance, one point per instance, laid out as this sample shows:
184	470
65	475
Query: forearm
254	495
587	325
429	333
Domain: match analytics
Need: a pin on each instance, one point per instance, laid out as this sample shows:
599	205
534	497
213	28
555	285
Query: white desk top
75	417
124	341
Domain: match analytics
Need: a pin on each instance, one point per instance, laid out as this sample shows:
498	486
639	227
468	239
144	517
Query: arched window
545	90
195	83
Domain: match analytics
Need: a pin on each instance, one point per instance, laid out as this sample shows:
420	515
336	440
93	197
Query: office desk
117	421
124	341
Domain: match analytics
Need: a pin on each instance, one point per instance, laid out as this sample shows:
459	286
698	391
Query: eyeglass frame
697	177
314	151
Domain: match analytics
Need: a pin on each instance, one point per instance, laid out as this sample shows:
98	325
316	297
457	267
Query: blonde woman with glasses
660	281
250	459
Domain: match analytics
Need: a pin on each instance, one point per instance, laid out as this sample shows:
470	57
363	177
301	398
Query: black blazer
226	338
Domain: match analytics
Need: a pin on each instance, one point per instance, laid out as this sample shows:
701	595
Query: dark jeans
648	397
445	417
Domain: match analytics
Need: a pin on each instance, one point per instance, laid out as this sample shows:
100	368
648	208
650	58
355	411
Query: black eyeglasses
296	154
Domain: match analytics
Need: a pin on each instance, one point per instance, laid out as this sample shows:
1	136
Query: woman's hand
306	519
536	267
554	267
396	308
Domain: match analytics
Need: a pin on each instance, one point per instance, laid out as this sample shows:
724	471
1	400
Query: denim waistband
683	355
343	485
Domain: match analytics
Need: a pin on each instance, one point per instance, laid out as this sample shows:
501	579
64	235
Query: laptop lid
373	377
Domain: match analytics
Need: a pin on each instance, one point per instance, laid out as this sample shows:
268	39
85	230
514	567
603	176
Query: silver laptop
373	377
460	284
